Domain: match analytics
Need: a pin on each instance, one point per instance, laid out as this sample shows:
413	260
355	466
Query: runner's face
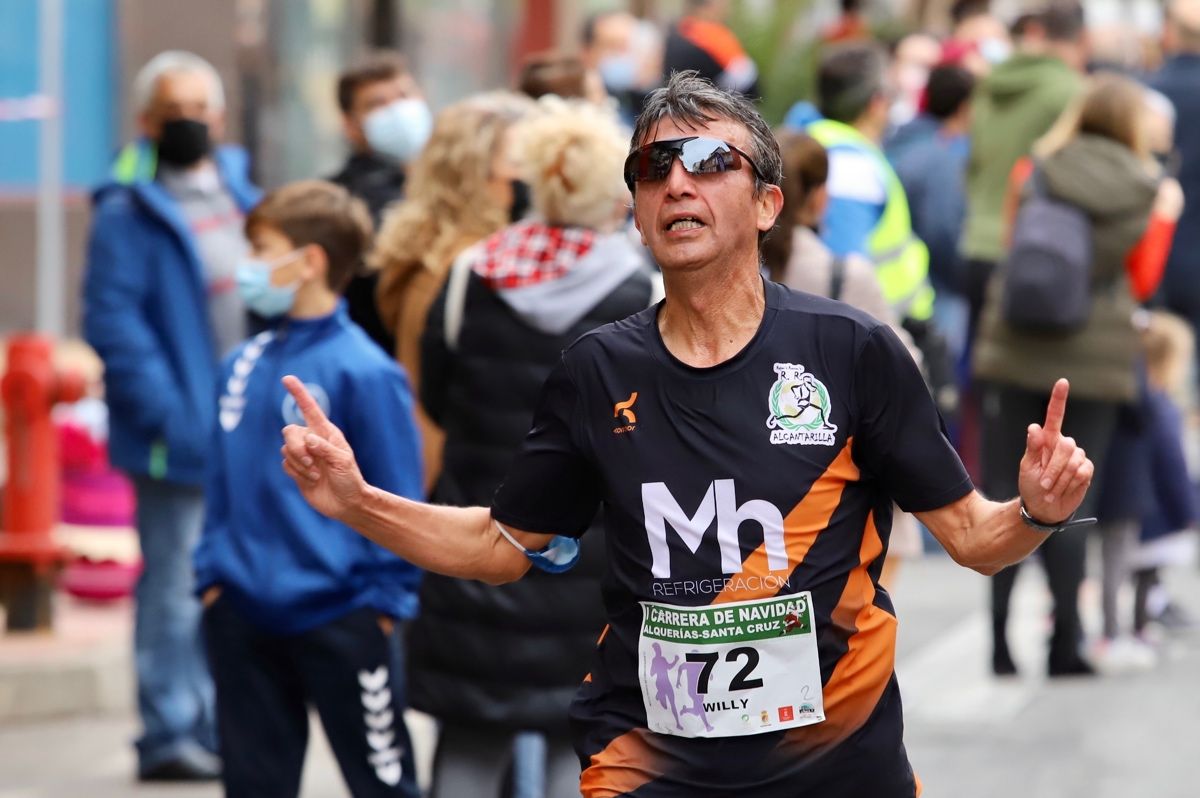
724	205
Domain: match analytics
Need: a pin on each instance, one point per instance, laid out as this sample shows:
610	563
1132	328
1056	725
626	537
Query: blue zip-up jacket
145	312
284	565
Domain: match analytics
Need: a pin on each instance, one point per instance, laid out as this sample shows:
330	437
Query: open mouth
686	223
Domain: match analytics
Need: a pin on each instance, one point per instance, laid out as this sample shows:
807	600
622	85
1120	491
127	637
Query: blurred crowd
426	290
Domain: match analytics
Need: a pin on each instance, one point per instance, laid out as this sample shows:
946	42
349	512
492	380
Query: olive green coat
1117	191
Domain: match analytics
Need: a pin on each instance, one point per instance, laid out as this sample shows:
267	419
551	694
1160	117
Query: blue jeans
529	765
175	692
478	760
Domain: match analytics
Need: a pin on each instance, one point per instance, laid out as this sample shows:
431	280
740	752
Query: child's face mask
259	293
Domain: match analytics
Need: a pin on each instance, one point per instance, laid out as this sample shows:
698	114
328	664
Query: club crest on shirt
800	407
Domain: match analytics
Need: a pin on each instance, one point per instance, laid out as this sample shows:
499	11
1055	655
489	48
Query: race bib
732	669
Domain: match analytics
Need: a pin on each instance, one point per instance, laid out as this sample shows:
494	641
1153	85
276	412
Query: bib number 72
741	681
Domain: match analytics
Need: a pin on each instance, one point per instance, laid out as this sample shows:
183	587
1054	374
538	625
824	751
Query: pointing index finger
1057	407
314	417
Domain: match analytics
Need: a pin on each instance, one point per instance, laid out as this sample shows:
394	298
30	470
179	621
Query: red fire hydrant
29	557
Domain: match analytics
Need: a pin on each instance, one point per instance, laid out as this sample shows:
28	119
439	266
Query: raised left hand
1055	472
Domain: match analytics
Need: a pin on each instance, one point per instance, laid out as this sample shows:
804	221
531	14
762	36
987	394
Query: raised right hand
319	459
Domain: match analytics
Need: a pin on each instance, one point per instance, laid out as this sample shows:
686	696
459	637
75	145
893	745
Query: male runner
724	515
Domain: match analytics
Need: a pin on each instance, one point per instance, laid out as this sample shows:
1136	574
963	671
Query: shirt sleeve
216	509
552	487
1148	260
900	439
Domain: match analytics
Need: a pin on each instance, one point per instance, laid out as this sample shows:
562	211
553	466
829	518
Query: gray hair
170	62
694	100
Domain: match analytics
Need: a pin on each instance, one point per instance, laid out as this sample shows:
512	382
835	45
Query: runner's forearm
454	541
983	535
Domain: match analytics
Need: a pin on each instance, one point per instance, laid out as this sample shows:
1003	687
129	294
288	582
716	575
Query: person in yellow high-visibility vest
868	211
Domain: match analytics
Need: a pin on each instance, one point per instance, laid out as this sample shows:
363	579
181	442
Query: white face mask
995	51
399	129
619	72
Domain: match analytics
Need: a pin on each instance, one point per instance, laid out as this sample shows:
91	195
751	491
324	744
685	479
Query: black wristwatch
1045	528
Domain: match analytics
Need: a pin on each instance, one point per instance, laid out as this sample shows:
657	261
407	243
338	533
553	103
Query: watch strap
1043	527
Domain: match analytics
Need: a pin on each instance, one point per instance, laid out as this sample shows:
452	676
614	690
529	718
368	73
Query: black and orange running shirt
769	476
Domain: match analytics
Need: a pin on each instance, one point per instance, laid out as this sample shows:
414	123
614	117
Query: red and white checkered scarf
531	252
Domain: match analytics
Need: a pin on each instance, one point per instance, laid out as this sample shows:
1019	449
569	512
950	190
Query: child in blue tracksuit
300	610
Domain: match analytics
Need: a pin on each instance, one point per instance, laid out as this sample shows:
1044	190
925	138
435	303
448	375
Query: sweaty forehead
726	129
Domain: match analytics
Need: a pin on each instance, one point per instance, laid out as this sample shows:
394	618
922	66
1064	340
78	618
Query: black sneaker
1075	666
191	764
1002	662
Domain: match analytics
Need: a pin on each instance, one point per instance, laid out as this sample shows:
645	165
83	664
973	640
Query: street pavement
967	733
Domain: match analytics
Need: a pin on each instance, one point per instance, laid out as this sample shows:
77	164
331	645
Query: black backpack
1048	271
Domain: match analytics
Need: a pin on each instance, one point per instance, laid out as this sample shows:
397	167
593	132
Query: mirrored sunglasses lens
648	163
707	156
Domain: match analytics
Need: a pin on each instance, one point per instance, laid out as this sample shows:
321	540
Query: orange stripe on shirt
628	762
808	519
603	634
863	672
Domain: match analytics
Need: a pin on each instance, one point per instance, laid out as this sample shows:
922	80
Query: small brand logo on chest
624	417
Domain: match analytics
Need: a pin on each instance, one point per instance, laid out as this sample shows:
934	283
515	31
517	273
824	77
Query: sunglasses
697	154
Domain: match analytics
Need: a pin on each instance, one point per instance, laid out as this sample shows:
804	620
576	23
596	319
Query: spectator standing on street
465	186
498	665
796	256
931	166
386	122
1179	80
161	308
301	611
1168	528
1014	105
868	211
609	44
701	41
1096	159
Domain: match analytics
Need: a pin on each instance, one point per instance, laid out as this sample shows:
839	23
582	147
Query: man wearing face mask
161	308
607	42
386	122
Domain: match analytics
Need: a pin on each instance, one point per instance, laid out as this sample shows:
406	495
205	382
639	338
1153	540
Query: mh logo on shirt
719	503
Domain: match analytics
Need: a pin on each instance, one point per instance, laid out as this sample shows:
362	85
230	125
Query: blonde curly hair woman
572	153
520	297
463	187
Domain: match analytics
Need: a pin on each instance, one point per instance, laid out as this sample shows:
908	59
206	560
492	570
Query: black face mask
183	142
1169	161
520	201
